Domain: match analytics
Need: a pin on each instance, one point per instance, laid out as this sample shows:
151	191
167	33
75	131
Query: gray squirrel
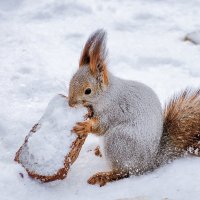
138	135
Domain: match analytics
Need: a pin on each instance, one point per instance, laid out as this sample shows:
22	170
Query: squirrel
138	135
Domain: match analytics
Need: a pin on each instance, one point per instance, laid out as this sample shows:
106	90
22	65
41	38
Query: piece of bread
50	148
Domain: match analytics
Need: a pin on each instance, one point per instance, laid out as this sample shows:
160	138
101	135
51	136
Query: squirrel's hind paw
102	178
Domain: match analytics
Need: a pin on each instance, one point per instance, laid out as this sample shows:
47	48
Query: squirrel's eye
88	91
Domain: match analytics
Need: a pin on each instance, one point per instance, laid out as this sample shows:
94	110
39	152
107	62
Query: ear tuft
94	54
95	46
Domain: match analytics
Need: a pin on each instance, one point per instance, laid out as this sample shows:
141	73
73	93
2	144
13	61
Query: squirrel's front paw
100	178
82	128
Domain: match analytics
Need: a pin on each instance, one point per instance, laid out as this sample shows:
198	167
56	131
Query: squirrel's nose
71	102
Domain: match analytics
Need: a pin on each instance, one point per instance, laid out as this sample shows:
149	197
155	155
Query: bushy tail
182	122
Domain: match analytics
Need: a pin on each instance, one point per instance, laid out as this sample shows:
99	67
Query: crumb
97	151
22	175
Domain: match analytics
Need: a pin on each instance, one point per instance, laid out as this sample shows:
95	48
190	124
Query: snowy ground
40	44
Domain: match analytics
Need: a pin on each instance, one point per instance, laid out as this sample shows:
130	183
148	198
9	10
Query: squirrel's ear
94	54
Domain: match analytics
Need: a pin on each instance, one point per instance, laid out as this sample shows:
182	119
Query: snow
40	45
45	151
193	37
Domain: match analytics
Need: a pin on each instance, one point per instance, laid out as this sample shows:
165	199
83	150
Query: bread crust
69	158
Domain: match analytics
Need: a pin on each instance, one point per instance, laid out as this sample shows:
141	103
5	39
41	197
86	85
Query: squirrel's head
91	79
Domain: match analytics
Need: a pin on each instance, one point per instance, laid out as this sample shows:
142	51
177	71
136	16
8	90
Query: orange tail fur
182	122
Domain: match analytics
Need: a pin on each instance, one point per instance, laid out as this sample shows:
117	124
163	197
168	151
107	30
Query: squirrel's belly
127	152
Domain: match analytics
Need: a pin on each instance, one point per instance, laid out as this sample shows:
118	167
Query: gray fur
131	115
